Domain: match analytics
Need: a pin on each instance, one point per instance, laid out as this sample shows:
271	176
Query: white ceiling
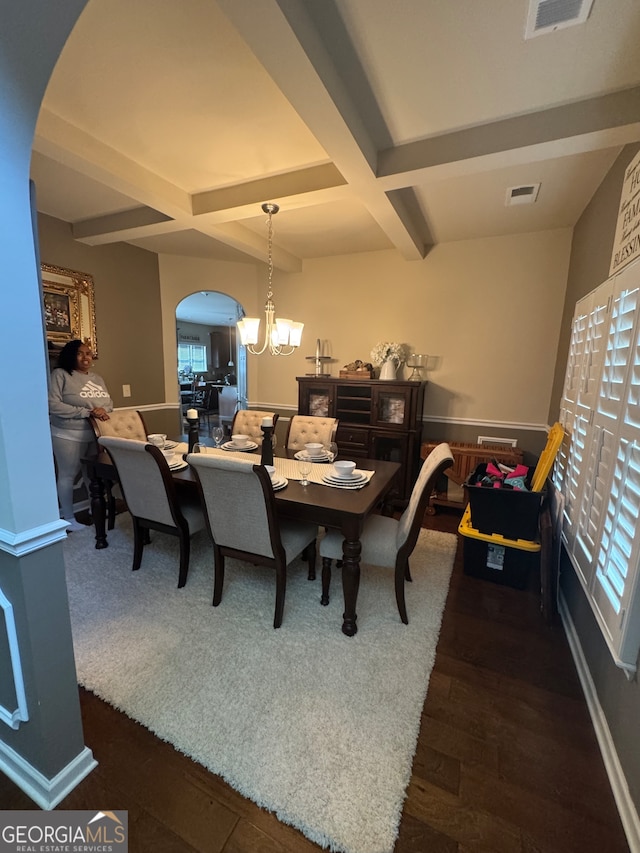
374	124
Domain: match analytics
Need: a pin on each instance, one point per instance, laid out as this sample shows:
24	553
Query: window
192	358
598	468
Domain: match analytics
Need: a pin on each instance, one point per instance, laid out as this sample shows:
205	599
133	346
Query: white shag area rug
314	726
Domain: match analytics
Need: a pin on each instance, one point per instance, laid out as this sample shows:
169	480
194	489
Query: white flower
386	350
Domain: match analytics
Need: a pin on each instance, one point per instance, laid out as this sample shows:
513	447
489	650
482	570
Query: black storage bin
499	563
508	512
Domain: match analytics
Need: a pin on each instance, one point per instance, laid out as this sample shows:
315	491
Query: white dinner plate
302	455
356	477
178	466
343	484
229	445
279	483
169	445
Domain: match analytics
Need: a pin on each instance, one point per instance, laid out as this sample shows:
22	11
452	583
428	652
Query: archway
209	358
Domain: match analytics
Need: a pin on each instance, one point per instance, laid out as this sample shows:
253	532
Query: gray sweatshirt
71	398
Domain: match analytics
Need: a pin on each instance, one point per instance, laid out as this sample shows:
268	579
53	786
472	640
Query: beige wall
487	311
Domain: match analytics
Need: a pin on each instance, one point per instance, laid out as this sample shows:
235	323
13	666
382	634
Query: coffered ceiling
373	124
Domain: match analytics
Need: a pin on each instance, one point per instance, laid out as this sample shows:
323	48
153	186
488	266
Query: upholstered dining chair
389	542
122	423
307	428
249	421
243	522
152	499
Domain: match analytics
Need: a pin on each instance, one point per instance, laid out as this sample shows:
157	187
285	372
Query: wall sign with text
626	245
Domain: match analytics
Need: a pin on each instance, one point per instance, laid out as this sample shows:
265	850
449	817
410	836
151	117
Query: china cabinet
377	419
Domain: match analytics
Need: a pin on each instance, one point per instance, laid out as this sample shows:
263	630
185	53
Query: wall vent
547	16
524	194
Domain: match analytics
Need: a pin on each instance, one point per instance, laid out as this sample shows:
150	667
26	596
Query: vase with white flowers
390	356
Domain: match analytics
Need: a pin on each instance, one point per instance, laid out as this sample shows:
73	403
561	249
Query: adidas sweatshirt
71	398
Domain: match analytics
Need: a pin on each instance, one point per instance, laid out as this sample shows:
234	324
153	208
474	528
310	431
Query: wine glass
217	435
304	466
331	449
199	447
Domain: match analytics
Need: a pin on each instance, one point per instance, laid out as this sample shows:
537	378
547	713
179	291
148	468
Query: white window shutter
598	468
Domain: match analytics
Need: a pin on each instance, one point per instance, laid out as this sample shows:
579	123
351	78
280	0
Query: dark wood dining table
343	509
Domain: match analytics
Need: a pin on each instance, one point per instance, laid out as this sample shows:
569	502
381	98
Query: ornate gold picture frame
69	307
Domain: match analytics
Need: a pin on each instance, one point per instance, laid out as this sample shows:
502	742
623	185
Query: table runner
284	467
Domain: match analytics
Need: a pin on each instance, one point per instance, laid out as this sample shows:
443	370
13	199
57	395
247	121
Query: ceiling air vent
525	194
547	16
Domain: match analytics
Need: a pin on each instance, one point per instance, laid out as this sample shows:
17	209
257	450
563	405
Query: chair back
239	502
200	396
122	423
304	429
144	478
227	402
410	521
249	422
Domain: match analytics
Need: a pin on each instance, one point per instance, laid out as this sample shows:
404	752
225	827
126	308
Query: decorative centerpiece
357	370
389	356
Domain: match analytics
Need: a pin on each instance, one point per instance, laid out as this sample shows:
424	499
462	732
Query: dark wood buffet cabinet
378	419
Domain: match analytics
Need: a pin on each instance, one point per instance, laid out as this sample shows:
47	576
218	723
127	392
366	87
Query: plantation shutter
598	468
584	369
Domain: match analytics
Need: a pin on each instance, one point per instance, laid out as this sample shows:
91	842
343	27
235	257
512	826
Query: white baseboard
46	793
626	808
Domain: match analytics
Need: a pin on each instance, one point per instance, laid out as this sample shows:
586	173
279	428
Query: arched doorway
208	354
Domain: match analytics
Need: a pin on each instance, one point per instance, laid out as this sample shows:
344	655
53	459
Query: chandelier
282	337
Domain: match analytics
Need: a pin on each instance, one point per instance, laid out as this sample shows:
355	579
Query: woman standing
75	395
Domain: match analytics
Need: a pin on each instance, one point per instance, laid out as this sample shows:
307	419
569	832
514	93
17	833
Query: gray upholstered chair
249	422
122	423
151	498
306	428
243	522
389	542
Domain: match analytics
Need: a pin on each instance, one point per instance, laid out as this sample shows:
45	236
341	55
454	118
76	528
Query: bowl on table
169	455
344	469
314	449
157	438
239	440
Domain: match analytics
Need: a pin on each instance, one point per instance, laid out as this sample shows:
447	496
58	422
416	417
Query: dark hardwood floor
507	760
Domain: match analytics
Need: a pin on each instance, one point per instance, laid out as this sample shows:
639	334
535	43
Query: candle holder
266	454
193	436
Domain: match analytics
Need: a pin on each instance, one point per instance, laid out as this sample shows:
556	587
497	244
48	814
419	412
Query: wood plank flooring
507	760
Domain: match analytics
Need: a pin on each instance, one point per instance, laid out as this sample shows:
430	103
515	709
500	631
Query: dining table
345	509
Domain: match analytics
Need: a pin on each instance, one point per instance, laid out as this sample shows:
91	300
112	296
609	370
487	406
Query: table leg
98	508
351	549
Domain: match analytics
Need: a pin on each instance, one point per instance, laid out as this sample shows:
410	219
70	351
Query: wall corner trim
46	793
626	807
19	544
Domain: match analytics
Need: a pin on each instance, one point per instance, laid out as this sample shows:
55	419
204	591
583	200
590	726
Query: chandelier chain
282	337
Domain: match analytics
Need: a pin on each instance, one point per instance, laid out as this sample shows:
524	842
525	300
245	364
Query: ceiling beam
289	46
605	121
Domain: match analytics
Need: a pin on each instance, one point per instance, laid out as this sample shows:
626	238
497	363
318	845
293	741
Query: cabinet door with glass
316	399
392	407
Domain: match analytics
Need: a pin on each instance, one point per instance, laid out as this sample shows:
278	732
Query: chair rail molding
20	714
